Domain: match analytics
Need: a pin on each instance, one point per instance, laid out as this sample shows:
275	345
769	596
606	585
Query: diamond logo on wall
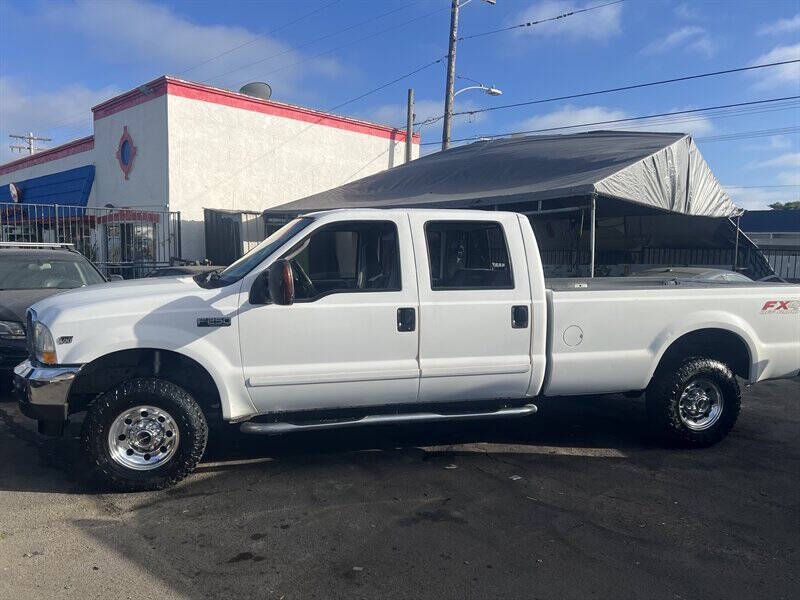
126	152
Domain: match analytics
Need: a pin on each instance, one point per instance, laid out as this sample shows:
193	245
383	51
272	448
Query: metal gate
123	241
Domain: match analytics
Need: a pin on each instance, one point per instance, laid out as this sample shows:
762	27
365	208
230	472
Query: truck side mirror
281	282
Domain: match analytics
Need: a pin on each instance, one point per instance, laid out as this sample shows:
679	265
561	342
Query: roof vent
257	89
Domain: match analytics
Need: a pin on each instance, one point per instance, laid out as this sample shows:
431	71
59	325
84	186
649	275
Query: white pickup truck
357	317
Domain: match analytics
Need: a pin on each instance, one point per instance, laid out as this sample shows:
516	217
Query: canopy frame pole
548	211
592	225
736	249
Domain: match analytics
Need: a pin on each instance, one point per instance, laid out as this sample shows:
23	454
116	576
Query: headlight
44	350
11	330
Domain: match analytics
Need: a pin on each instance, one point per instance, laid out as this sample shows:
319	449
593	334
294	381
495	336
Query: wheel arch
113	368
730	345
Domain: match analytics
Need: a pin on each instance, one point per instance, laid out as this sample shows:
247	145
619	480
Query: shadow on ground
571	503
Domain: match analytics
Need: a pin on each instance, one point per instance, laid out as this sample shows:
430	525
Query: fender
227	377
711	319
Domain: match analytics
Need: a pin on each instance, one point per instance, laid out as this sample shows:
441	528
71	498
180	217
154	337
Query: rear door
475	306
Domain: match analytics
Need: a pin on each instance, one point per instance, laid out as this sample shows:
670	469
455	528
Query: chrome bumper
45	390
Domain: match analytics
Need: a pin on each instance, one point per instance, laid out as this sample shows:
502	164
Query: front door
341	343
475	307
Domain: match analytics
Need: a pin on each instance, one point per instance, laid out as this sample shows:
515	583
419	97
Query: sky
58	59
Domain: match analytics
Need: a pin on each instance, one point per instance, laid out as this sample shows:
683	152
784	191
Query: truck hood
120	298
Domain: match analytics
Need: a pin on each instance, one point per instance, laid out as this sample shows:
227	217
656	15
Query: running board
279	428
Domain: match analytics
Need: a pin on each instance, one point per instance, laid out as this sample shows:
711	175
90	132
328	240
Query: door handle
519	317
406	319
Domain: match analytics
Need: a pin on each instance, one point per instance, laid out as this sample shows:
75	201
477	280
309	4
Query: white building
174	145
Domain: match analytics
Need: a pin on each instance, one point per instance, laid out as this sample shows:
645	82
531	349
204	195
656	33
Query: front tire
695	404
144	434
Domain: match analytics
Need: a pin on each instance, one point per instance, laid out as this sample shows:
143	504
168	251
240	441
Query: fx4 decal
781	307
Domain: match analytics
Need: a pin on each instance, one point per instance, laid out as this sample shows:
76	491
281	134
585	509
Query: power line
680	119
631	119
748	134
759	187
259	36
313	56
540	21
611	90
30	142
388	83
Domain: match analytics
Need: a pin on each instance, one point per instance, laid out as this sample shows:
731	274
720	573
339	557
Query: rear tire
693	405
144	434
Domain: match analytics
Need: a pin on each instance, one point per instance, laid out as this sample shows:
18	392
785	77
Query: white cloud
571	115
789	177
773	142
790	159
689	38
781	26
139	32
760	198
787	160
685	11
598	24
782	75
62	114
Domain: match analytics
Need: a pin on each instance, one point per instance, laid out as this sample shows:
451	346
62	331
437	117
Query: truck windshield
256	256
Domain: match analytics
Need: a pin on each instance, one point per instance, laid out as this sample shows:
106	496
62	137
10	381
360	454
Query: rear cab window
468	255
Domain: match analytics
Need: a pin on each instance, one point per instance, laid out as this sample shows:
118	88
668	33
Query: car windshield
257	255
30	272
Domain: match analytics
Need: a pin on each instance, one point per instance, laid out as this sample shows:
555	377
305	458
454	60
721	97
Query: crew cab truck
356	317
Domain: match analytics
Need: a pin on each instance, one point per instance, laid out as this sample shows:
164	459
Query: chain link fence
122	241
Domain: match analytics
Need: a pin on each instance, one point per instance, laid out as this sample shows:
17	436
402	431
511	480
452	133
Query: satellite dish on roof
257	89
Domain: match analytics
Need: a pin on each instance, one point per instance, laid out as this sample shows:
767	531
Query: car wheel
144	434
694	405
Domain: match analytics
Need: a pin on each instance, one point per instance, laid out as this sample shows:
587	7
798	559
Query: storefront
163	152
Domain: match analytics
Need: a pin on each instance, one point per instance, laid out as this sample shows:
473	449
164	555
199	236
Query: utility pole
30	139
451	75
410	125
451	69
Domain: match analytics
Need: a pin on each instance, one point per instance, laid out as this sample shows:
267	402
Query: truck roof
450	212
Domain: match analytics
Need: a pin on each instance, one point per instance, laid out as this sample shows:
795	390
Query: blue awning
66	188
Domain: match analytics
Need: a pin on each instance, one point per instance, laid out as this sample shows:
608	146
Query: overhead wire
693	111
540	21
611	90
325	52
260	36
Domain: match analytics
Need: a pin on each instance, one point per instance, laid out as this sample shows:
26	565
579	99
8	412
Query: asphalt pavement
575	502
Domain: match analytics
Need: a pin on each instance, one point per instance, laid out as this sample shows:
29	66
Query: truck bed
607	335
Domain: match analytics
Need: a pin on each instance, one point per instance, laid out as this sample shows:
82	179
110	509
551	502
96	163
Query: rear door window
465	255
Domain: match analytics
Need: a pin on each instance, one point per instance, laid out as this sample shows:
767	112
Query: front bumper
45	390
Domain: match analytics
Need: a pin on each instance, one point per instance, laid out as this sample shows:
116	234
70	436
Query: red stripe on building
68	149
203	93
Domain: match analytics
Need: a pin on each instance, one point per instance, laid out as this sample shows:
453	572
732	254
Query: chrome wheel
143	438
700	404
